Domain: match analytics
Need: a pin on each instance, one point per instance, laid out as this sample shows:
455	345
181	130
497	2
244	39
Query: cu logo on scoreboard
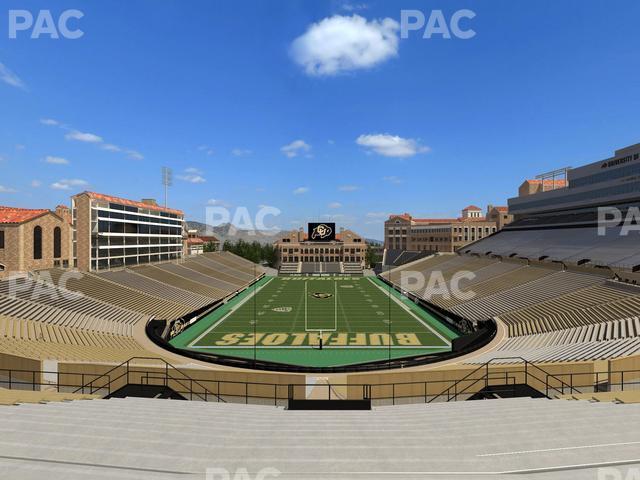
321	231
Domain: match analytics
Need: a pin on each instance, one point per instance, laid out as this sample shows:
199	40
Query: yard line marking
558	449
402	305
224	317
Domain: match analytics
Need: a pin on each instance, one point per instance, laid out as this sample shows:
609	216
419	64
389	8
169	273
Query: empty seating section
290	268
394	275
41	340
125	297
546	287
599	303
153	287
26	298
93	317
569	245
350	268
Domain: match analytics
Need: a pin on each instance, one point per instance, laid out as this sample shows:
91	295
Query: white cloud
109	147
192	175
335	217
4	189
134	155
340	44
377	215
300	190
241	152
83	137
49	121
36	183
214	202
348	188
295	148
207	149
335	205
391	145
393	179
56	160
10	78
19	147
66	184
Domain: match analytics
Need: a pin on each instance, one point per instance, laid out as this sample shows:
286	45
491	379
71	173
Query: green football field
287	319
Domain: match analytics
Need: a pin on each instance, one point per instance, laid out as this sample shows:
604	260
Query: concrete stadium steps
235	262
16	397
290	267
146	438
153	287
115	294
351	268
530	293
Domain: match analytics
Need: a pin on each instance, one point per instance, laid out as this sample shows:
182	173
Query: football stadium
263	240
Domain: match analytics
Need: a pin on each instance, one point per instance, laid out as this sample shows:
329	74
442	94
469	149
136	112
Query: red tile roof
502	209
471	207
195	241
19	215
131	203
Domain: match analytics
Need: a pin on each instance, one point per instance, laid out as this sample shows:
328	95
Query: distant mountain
374	242
227	231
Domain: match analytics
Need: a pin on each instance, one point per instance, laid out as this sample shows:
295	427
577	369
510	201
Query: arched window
37	243
57	242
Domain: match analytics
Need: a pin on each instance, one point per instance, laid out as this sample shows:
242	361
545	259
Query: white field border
224	317
408	310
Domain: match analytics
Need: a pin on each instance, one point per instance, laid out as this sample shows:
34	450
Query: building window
57	242
1	238
37	243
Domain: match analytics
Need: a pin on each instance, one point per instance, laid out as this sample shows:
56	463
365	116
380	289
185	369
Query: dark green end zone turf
283	319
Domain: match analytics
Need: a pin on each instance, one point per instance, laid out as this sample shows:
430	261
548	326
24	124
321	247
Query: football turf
282	319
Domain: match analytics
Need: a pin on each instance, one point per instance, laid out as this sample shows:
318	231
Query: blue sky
262	103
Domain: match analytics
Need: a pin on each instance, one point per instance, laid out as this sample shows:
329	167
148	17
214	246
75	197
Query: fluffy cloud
348	188
133	155
192	175
341	44
36	183
83	137
207	149
391	145
56	160
295	148
335	205
10	78
4	189
66	184
49	121
300	190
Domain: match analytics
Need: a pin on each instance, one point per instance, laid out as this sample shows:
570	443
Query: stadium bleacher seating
116	439
288	268
352	268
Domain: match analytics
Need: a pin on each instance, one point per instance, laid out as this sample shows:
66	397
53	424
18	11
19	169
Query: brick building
404	232
34	239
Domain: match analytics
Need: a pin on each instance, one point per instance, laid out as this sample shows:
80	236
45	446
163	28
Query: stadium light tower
167	181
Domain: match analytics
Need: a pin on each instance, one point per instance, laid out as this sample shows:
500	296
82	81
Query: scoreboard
322	232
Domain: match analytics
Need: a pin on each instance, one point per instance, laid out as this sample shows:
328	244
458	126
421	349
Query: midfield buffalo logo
321	232
321	295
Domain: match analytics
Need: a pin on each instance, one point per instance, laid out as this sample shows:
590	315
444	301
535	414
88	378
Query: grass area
284	319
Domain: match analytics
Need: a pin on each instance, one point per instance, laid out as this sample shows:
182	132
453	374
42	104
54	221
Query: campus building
330	247
34	239
111	232
614	181
404	232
